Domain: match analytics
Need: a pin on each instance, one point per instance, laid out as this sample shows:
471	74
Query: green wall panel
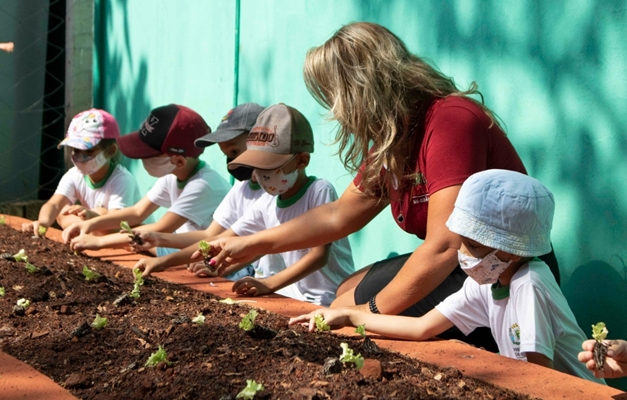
553	72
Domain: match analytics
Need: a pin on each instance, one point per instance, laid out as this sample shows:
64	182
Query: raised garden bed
212	360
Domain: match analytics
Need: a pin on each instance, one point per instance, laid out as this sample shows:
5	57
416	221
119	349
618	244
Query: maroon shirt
458	142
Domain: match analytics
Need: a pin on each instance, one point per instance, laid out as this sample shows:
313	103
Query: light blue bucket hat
505	210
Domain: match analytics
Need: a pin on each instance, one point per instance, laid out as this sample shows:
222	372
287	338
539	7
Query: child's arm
176	241
540	359
411	328
134	215
311	262
47	214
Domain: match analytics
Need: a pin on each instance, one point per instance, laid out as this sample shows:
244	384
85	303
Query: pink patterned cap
89	127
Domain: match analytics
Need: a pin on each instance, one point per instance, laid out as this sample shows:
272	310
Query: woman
412	137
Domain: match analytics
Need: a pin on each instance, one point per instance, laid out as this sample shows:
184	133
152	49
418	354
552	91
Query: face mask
275	182
89	165
158	166
240	173
483	270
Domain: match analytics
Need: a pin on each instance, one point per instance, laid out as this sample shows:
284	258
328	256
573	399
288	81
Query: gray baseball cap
238	120
280	132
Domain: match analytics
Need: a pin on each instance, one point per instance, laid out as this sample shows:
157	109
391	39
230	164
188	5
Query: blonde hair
379	93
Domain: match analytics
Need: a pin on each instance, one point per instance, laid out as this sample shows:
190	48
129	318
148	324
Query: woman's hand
231	250
615	362
336	318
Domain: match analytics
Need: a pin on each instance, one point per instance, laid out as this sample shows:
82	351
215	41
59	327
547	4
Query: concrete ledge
512	374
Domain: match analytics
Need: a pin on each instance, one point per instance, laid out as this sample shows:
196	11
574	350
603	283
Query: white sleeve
123	191
465	308
227	212
325	194
252	221
67	185
197	202
159	192
534	320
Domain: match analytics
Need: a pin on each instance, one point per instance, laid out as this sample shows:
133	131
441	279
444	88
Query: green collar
103	180
286	203
253	185
181	184
500	292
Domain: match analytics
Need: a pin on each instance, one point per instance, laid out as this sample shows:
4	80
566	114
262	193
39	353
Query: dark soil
209	361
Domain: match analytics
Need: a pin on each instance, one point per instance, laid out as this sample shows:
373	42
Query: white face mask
158	166
88	166
483	270
275	182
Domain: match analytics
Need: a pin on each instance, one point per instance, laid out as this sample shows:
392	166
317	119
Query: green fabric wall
554	72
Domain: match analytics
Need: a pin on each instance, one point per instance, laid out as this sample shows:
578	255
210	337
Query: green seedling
368	345
321	324
139	281
204	249
248	322
3	220
24	303
31	268
347	356
42	230
99	322
21	256
361	329
228	300
2	292
250	390
200	319
126	227
599	352
89	274
157	357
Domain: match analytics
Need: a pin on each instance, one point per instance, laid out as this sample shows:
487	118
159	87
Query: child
504	220
186	185
278	149
231	137
615	362
97	181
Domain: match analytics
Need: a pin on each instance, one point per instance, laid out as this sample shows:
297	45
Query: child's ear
303	160
111	150
178	161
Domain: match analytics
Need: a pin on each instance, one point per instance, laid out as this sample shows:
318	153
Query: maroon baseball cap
170	129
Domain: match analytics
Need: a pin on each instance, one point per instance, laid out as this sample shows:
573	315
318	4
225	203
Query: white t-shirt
240	198
196	200
535	317
269	211
118	191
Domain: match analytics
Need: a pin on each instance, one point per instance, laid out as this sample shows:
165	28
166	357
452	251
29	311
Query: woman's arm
317	227
430	263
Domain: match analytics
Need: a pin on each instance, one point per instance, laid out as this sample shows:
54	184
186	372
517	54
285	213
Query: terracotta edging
516	375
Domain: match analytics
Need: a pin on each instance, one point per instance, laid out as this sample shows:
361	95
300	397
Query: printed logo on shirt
514	336
419	192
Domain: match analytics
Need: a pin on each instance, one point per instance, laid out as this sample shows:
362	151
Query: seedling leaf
99	322
200	319
2	293
361	329
42	230
3	220
204	248
347	356
599	332
124	225
321	324
21	256
89	274
158	356
248	322
139	281
250	390
228	300
24	303
31	268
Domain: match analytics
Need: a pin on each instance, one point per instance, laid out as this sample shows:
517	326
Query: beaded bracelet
373	305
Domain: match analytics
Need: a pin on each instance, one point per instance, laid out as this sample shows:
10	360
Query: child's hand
149	266
615	363
336	318
80	211
249	286
85	241
149	240
200	270
33	227
71	232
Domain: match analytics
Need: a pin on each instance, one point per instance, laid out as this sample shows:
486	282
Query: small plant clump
157	357
248	322
204	248
31	268
42	230
24	303
90	275
348	356
135	238
321	324
255	331
368	345
2	292
599	352
20	256
228	300
99	322
139	281
250	390
3	220
200	319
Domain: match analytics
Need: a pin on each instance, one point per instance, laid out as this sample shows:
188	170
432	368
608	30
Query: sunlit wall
554	72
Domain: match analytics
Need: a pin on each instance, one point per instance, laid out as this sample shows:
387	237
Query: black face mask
240	173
